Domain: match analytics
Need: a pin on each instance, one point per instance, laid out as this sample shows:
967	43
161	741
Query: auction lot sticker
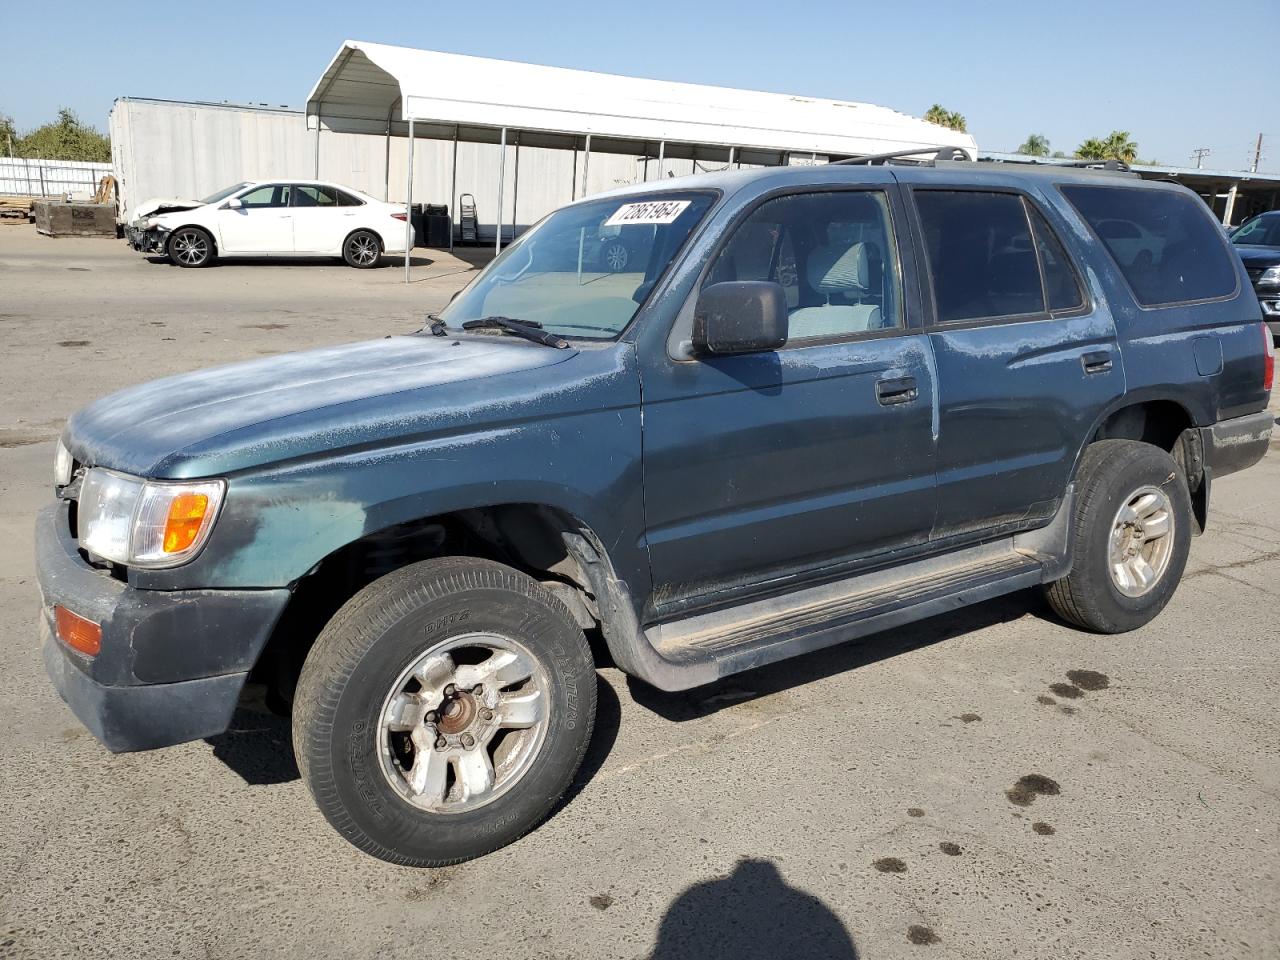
652	211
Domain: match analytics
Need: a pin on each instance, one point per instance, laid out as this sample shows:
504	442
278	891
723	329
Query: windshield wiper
528	329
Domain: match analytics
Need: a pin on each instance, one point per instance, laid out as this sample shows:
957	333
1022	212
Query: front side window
981	256
271	195
1178	254
585	269
834	255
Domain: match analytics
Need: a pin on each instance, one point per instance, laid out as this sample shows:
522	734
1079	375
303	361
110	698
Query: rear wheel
443	711
363	249
190	247
1131	538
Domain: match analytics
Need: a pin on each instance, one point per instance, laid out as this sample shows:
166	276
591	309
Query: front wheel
363	249
190	247
1131	538
443	711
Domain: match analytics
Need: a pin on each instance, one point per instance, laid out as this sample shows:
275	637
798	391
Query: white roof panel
375	82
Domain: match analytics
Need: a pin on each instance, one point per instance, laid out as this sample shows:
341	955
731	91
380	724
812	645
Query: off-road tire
362	249
1110	472
353	665
180	247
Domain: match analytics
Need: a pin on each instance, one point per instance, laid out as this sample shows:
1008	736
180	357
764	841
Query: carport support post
453	188
317	159
1231	205
586	164
662	157
502	175
408	206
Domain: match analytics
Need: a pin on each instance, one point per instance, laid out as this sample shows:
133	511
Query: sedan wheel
190	247
616	257
363	249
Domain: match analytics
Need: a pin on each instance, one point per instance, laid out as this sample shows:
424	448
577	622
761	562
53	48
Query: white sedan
289	218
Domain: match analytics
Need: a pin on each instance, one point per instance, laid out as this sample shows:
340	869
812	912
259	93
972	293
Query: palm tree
945	118
1117	146
1036	145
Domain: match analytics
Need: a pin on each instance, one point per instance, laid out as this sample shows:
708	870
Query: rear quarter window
1164	242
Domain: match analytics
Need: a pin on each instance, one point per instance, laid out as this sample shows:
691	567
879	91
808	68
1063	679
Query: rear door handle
898	390
1097	362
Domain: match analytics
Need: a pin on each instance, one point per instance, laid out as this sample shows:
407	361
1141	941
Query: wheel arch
1163	421
549	543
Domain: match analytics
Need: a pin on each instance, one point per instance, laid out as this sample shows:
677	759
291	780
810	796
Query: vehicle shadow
810	667
389	260
258	746
751	913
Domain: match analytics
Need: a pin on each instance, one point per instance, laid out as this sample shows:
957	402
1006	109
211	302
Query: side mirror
742	316
234	203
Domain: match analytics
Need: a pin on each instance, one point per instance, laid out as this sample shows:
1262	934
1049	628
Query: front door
1027	360
766	469
261	224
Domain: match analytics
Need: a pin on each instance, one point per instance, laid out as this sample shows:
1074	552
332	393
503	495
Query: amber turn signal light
186	516
77	632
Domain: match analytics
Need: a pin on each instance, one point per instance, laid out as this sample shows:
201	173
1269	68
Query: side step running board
680	654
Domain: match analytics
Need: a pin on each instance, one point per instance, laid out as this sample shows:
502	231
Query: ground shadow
388	260
802	670
258	746
751	913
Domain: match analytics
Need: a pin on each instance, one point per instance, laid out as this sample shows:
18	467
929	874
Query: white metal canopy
365	80
377	88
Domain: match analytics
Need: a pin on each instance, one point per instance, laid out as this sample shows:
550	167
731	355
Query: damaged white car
294	218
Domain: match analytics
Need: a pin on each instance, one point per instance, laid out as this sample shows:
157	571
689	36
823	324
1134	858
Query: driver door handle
896	390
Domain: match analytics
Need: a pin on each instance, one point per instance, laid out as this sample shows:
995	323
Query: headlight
1270	275
146	523
62	465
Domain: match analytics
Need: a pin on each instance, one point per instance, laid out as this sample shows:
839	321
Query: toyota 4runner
824	402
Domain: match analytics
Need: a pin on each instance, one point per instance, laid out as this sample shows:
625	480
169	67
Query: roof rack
938	153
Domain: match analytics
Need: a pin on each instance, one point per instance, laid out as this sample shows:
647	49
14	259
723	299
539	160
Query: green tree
1036	145
945	118
67	138
8	136
1116	146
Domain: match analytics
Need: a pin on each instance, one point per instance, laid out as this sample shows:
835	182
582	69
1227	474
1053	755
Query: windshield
585	270
1261	231
223	194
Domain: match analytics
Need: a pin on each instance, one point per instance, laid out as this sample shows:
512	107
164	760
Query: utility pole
1198	155
1257	154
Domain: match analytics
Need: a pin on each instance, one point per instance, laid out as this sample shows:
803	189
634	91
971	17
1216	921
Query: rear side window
1164	242
981	255
1061	285
347	200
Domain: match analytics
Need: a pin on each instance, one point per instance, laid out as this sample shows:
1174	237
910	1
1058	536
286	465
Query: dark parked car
1258	243
827	401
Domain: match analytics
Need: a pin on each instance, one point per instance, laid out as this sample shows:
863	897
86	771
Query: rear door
261	224
765	469
320	222
1027	357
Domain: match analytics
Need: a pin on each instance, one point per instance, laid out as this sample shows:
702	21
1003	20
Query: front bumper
172	662
146	241
1233	445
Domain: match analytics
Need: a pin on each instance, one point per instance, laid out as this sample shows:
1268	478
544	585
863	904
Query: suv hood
237	417
1257	256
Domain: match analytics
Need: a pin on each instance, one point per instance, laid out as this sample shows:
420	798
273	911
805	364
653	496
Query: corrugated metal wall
167	149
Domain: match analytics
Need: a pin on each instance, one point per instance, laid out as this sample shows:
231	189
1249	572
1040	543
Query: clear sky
1176	74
